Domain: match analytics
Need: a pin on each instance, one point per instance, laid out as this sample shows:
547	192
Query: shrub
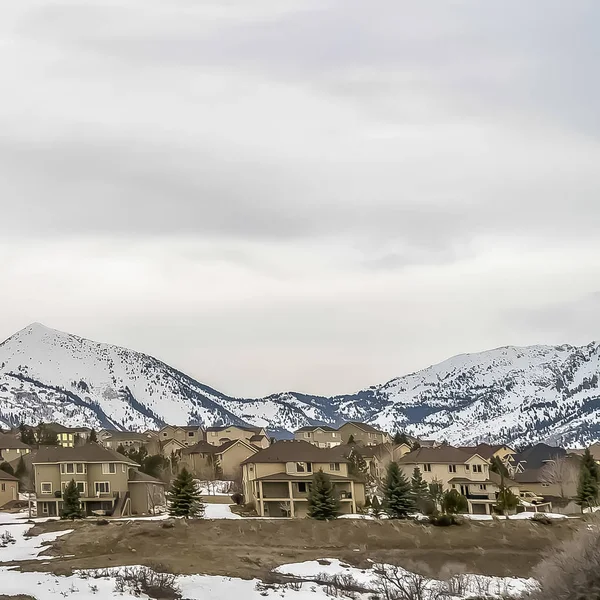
143	580
453	502
573	571
237	498
445	520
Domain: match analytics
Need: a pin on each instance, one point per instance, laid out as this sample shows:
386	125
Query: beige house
554	479
186	435
210	462
12	448
465	471
276	480
379	457
256	436
129	440
594	451
104	479
68	437
362	433
505	453
322	436
9	488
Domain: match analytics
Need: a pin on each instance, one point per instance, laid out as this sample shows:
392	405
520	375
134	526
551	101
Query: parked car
530	497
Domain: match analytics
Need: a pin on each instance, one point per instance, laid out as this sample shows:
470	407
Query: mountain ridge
512	394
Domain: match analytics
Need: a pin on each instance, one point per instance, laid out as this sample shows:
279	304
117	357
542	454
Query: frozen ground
93	584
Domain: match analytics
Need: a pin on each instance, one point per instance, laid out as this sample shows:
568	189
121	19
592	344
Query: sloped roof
11	442
307	478
87	453
126	435
314	428
200	448
296	450
536	456
495	477
4	476
257	438
529	476
58	428
242	427
441	454
139	477
364	426
486	451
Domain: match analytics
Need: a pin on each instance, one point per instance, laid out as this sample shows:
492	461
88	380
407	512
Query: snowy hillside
514	394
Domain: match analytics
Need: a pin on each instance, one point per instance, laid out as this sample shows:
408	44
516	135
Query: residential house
12	448
209	462
535	457
594	451
9	488
256	436
186	435
552	478
68	437
362	433
501	451
276	480
465	471
129	440
105	480
379	457
322	436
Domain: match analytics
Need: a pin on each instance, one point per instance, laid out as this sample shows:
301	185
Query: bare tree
156	497
561	472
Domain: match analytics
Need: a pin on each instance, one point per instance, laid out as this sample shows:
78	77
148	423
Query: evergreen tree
400	438
184	497
93	437
418	485
506	501
436	492
415	445
498	467
71	508
121	449
351	439
376	507
7	468
322	502
46	437
592	466
21	469
358	465
454	503
397	497
27	435
587	488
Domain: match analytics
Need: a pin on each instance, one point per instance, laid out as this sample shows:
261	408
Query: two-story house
322	436
362	433
129	440
277	480
257	436
9	488
186	435
68	436
209	462
465	471
12	448
108	482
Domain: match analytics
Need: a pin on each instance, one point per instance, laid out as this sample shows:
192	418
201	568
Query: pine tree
27	435
587	488
93	437
21	469
322	502
71	508
358	465
184	498
415	445
498	467
351	439
397	497
400	438
121	449
436	492
454	503
418	484
592	466
376	507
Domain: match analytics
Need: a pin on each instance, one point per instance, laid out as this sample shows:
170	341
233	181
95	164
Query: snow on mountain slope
513	394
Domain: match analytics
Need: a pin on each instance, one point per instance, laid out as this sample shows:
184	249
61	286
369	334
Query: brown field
250	548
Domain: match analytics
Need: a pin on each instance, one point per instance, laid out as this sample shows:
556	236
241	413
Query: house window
451	468
3	487
334	466
427	468
165	434
307	434
467	467
67	468
477	469
302	488
545	485
109	468
80	486
45	508
46	488
102	487
123	468
190	434
81	468
483	486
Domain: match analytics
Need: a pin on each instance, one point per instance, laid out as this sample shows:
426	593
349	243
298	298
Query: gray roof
242	427
206	448
11	442
315	427
59	428
87	453
296	450
4	476
441	454
139	477
536	456
364	426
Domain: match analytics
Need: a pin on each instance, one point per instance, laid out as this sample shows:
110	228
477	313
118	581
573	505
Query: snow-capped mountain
511	394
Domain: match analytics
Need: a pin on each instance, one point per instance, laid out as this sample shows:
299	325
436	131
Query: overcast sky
315	195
